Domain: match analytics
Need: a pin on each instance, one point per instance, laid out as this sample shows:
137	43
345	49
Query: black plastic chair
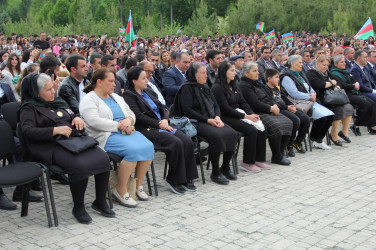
9	111
20	173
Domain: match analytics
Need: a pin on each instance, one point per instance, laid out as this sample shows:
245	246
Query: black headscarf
202	93
30	92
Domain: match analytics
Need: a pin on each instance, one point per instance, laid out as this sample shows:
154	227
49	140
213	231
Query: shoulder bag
184	124
78	142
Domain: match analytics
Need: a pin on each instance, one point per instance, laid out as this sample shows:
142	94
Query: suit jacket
69	92
8	92
349	64
371	75
262	66
146	118
121	76
172	80
275	64
305	68
360	76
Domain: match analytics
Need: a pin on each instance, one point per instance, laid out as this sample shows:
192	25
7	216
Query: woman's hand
163	124
274	109
291	108
125	125
253	117
356	86
78	123
312	97
216	122
62	130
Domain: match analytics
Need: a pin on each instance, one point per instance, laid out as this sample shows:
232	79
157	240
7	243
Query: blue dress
133	147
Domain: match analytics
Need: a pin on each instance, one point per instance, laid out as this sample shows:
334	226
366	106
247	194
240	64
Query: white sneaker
126	201
321	145
142	196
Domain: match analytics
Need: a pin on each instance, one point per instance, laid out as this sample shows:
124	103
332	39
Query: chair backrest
7	145
9	111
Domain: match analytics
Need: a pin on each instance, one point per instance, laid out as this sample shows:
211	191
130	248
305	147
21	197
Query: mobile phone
50	72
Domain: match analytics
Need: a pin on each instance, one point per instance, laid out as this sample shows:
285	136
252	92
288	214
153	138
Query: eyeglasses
149	71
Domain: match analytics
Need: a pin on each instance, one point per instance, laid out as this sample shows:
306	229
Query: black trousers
278	145
300	124
179	150
320	127
254	147
366	110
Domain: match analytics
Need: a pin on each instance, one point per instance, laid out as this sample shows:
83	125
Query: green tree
201	23
43	14
59	13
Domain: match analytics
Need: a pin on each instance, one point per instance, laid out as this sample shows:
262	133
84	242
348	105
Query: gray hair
293	59
42	80
196	66
338	58
178	55
276	52
248	66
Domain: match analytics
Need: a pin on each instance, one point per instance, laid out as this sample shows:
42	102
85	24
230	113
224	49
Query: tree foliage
199	17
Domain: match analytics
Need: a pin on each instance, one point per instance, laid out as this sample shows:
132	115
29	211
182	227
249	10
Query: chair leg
110	196
238	146
45	197
305	144
154	179
51	197
234	164
165	169
148	182
25	200
327	138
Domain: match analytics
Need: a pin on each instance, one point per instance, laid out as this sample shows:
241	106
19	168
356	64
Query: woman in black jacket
152	122
278	126
366	108
195	101
235	112
321	80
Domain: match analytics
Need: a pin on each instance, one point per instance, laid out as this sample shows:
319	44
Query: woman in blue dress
111	122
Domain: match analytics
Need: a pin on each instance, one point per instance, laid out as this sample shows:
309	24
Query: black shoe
299	147
283	161
346	138
203	159
290	151
36	185
189	186
6	204
371	131
337	143
355	130
82	216
220	179
106	212
177	189
17	196
60	177
229	174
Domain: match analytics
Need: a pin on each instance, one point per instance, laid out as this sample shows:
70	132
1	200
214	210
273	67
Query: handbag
335	97
184	124
78	142
131	185
303	105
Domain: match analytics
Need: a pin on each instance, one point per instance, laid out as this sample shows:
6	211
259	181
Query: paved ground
324	200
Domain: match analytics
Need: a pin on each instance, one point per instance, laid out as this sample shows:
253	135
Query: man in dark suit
264	62
6	94
361	75
275	58
214	58
306	57
370	66
175	77
349	57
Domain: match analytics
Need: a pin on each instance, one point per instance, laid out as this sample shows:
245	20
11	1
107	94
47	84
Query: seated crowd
124	99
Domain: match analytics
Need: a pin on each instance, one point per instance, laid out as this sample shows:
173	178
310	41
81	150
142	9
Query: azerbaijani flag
260	26
129	35
270	34
121	31
366	31
287	37
178	31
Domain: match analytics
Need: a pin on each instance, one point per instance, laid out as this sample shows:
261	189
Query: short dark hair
95	56
72	61
133	74
173	55
106	58
270	73
155	54
131	62
140	57
358	54
264	48
48	63
369	52
210	54
178	55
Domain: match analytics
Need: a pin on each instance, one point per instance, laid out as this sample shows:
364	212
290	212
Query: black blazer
37	124
146	119
248	89
371	74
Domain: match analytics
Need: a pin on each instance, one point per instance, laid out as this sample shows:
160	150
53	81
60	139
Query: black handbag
335	97
78	142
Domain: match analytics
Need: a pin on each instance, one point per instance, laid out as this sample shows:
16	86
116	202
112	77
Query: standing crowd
229	87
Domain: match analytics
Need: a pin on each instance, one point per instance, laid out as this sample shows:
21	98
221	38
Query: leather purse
184	124
335	97
77	143
303	105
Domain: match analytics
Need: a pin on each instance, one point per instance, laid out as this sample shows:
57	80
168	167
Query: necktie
183	73
365	73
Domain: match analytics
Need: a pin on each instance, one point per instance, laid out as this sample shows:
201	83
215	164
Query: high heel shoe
337	143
